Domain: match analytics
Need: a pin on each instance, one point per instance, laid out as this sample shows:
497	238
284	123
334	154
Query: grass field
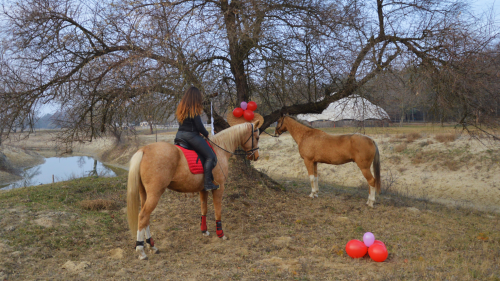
274	234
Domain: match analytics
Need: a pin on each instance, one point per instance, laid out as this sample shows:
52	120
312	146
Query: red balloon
251	106
378	242
248	115
356	249
378	252
238	112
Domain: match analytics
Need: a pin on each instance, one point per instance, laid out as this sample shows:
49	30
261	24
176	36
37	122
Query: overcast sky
479	6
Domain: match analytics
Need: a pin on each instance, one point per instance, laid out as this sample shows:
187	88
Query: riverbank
14	159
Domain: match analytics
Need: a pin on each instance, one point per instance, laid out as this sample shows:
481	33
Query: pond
57	169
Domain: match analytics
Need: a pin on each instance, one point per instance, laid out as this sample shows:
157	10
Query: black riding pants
202	148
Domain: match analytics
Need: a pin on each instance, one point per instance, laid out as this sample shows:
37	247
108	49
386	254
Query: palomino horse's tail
133	186
376	168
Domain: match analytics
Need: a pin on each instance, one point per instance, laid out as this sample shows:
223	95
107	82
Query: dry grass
446	137
418	159
98	204
274	235
400	147
452	164
413	136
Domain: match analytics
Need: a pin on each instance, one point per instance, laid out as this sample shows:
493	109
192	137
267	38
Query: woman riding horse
190	130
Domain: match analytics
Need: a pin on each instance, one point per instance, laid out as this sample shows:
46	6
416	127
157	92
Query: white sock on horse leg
150	240
139	245
141	234
372	193
316	187
371	197
313	187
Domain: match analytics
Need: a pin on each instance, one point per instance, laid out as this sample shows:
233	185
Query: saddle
195	161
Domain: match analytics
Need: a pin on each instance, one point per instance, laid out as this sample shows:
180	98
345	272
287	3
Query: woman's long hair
190	105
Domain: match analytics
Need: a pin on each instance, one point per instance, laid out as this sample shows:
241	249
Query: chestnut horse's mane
299	121
227	138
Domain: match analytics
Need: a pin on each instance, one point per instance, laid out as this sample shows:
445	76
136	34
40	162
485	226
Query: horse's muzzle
254	156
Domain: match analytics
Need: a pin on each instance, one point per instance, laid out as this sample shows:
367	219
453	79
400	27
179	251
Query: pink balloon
243	105
368	238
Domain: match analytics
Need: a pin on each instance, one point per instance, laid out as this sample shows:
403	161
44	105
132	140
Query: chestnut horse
161	165
316	146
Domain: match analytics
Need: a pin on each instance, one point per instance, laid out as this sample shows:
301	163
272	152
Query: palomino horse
161	165
316	146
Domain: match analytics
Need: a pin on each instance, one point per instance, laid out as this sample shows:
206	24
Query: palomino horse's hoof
225	237
142	255
313	195
154	250
369	203
206	233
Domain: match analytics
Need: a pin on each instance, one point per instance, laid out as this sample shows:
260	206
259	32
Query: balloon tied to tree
245	113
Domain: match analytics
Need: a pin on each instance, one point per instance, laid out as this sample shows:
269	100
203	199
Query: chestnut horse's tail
133	185
376	168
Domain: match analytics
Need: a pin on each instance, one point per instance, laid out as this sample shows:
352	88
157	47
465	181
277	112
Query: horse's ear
257	123
282	114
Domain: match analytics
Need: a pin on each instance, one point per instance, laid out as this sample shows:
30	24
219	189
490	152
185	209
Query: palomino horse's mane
229	139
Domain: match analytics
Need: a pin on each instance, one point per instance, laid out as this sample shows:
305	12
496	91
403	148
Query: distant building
351	111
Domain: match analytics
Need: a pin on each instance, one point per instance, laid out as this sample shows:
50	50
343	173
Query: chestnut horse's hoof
369	203
313	195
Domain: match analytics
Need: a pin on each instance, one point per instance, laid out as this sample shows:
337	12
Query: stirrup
211	186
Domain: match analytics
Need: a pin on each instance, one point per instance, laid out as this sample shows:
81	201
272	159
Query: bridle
249	152
279	126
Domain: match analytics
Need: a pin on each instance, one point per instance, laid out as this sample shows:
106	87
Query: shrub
418	159
413	136
453	165
446	137
400	147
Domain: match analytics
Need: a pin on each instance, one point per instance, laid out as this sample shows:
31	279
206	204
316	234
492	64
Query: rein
251	151
274	136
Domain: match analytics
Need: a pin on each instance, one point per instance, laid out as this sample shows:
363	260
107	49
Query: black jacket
194	125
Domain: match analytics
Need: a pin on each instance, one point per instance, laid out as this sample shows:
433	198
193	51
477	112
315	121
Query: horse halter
279	126
251	150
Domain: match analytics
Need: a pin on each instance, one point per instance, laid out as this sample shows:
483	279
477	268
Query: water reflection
61	169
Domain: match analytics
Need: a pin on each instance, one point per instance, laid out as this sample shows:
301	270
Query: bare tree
99	58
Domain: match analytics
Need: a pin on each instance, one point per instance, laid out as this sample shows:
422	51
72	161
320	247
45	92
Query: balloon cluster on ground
376	249
246	110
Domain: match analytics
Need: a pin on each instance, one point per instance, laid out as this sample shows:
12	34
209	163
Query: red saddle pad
191	157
